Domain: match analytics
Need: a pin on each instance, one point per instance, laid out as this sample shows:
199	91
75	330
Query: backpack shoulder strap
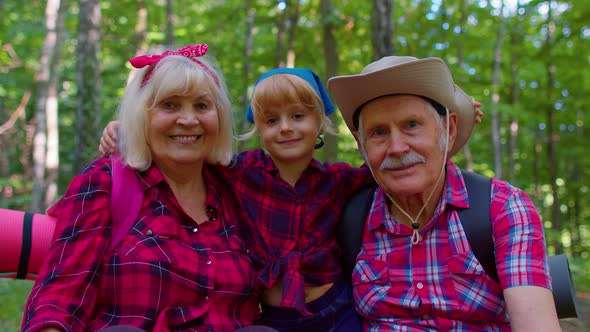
126	200
477	223
349	231
475	220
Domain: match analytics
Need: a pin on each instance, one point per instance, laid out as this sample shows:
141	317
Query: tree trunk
496	86
140	32
249	46
577	245
4	169
516	37
88	81
551	148
282	27
462	28
512	146
382	28
43	82
141	28
330	150
460	61
10	144
52	162
537	163
293	22
170	24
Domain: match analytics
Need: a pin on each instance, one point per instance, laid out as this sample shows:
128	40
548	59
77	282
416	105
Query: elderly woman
182	266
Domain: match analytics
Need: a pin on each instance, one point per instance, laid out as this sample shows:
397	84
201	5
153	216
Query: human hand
478	112
108	140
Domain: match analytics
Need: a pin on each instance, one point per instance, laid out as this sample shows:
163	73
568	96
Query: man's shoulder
502	191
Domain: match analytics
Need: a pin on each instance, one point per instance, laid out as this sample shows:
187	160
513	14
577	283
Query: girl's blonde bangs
281	90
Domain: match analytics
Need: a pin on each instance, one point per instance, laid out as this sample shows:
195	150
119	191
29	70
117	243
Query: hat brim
428	77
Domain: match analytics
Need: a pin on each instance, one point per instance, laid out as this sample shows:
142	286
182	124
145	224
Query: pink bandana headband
190	51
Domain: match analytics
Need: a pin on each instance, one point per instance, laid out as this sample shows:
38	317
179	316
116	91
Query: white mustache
403	161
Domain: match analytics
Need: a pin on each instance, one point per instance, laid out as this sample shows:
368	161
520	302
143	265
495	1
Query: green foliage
13	295
580	270
465	38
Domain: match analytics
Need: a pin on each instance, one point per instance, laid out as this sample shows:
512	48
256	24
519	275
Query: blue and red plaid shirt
167	274
438	284
291	230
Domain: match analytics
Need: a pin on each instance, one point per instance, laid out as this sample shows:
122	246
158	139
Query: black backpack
477	224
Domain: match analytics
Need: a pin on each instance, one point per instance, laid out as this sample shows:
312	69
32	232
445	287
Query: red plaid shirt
168	273
290	230
438	284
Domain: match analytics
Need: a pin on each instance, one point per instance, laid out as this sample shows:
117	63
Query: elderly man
416	270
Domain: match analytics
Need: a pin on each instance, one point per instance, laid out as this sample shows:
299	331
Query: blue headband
309	76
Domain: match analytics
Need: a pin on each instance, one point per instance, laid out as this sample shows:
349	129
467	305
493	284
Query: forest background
64	66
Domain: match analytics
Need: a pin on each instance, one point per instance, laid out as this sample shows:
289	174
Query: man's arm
521	260
531	308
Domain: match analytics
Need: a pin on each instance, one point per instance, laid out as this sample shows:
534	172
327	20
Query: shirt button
247	251
195	230
206	298
209	262
420	285
478	268
149	232
364	278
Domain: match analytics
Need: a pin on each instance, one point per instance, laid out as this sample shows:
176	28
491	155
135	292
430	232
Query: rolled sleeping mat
564	293
24	242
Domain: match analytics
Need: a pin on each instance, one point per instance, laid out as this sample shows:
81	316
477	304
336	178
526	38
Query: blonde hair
280	90
173	75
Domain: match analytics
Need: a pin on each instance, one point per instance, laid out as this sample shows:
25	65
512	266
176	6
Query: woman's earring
320	143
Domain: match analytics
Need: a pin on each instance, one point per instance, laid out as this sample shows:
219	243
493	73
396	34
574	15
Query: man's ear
452	117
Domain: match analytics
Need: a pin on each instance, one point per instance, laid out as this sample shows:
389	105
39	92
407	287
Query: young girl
291	203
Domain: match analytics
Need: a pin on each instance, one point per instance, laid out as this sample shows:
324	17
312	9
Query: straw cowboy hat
391	75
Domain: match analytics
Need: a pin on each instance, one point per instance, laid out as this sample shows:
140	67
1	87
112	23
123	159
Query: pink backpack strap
126	200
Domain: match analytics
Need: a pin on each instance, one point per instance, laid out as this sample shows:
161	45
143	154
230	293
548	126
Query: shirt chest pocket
370	271
152	239
475	291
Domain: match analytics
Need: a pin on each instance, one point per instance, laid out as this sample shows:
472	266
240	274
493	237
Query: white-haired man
416	270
